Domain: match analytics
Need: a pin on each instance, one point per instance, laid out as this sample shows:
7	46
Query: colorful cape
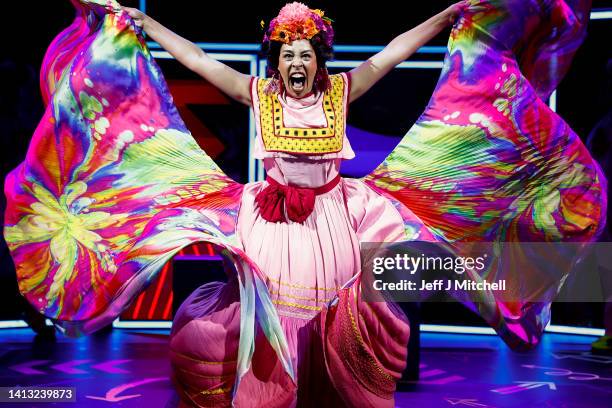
488	160
114	185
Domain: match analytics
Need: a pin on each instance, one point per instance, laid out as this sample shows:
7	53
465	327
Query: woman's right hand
138	16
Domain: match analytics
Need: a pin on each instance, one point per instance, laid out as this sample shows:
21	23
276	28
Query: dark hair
271	51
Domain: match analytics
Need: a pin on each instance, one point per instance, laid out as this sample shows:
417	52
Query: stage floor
129	368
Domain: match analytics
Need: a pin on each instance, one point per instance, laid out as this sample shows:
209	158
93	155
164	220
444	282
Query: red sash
299	201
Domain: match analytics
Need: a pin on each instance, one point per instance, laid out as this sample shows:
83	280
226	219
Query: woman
305	239
124	187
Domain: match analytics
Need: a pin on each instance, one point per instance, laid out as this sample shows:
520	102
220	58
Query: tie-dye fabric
488	160
114	185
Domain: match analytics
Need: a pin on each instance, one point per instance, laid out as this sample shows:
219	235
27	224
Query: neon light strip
439	328
12	324
229	46
421	64
405	64
245	47
256	170
158	290
428	328
583	331
138	305
218	56
142	324
355	63
256	164
263	64
552	101
216	46
168	306
601	14
15	324
195	249
433	328
377	48
586	331
252	131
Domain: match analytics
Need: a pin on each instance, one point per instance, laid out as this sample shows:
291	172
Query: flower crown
296	21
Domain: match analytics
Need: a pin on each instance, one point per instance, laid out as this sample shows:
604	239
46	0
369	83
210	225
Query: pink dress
304	266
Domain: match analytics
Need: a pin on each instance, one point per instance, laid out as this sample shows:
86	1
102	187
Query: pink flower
296	21
293	13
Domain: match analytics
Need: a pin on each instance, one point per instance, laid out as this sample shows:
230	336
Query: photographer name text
439	284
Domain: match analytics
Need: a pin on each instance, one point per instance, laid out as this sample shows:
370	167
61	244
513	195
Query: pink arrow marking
68	367
445	380
585	356
109	367
112	394
26	368
524	386
430	373
568	373
462	401
433	372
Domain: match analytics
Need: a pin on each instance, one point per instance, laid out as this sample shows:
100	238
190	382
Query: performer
113	186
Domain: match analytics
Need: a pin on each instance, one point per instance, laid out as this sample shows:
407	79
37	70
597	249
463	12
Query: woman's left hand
453	11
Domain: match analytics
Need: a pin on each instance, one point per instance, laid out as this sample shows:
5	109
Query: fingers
132	12
458	9
136	15
129	11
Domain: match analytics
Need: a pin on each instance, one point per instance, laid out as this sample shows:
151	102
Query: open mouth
297	82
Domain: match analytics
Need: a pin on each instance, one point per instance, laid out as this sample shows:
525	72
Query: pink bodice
304	113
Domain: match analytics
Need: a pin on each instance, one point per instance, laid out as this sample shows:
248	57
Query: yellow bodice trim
278	138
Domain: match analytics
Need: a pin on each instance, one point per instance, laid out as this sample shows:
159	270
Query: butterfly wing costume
113	185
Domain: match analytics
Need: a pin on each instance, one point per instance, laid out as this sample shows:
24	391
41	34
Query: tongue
297	86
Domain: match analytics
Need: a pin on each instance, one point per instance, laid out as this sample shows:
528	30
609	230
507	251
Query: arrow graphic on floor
26	368
109	367
524	386
572	375
70	367
463	401
112	395
584	356
434	372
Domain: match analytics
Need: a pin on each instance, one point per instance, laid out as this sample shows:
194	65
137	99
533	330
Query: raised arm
401	48
233	83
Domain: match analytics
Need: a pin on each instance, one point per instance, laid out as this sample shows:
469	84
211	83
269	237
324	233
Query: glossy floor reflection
129	368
